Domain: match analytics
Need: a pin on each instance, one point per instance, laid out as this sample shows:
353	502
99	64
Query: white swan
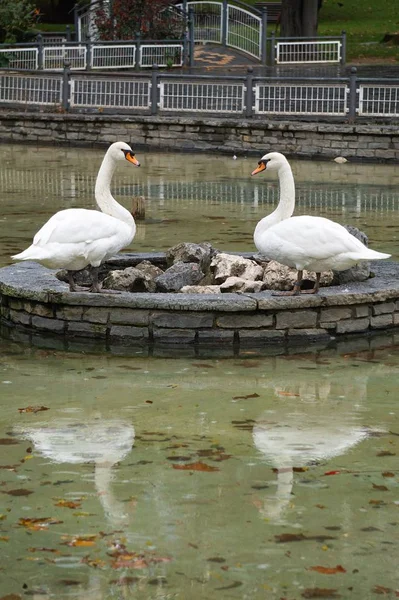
304	242
74	238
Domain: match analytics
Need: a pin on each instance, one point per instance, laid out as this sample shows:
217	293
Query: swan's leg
295	290
72	285
95	284
316	286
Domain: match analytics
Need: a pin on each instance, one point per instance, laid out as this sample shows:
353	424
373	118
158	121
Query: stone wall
223	135
32	300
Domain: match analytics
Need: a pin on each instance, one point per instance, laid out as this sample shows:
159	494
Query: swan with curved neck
75	238
304	242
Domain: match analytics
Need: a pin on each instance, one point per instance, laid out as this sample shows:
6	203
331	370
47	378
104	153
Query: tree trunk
299	18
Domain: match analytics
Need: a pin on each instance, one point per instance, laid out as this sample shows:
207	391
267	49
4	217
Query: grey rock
188	252
279	277
238	284
225	265
149	268
129	280
359	272
177	276
200	289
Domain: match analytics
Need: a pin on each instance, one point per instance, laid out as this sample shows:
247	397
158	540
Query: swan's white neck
286	204
104	198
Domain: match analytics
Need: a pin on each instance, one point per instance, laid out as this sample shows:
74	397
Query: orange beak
259	168
131	158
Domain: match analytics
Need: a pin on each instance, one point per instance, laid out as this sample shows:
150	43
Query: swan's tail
32	253
368	254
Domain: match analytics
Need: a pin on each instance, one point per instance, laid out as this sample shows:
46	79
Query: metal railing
129	54
167	93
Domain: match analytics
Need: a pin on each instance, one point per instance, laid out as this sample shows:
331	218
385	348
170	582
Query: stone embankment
360	142
34	302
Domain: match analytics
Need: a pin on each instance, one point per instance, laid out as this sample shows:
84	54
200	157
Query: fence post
224	22
249	92
191	41
352	95
68	33
66	87
343	48
263	48
154	90
138	45
273	49
40	51
89	55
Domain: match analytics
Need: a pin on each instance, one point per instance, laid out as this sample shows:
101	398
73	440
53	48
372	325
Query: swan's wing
314	238
75	226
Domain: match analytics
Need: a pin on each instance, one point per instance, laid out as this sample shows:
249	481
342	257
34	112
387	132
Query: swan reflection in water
312	421
102	443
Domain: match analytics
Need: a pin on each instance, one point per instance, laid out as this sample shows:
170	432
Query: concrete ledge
34	303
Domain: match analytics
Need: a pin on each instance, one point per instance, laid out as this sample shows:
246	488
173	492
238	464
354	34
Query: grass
366	22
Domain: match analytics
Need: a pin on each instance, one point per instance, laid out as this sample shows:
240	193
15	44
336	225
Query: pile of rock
201	269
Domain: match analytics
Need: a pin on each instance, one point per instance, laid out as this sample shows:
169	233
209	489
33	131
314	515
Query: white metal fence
301	99
21	89
308	52
110	93
194	96
207	21
244	31
241	96
55	57
375	100
20	58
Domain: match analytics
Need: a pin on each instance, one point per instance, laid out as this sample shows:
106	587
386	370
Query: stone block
335	314
226	336
352	325
362	310
95	314
381	321
176	320
126	316
310	334
300	319
127	331
44	324
69	313
82	329
239	321
262	337
42	310
19	316
381	309
174	336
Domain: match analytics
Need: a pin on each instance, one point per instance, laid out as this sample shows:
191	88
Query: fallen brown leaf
38	524
19	492
320	593
197	466
32	409
328	570
68	504
255	395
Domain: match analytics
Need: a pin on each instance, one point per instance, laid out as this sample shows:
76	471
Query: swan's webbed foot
73	287
296	290
96	287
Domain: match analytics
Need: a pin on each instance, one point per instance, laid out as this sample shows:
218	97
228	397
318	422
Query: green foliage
152	18
17	17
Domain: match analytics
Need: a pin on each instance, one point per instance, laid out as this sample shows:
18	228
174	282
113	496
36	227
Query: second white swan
74	238
304	242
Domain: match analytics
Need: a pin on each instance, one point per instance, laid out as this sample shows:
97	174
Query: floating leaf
97	563
320	593
254	395
332	472
37	524
53	550
19	492
32	409
82	541
7	442
299	537
284	393
380	589
328	570
235	584
384	474
197	466
381	488
11	597
385	453
376	502
68	504
217	559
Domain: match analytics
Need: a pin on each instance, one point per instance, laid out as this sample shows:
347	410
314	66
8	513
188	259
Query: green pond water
251	477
